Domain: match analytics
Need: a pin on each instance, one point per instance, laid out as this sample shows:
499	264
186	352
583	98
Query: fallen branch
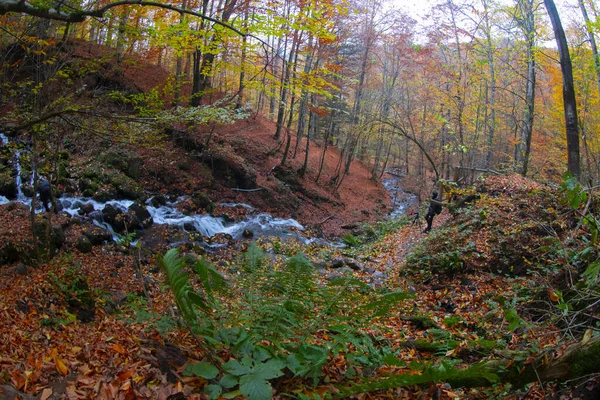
247	190
325	220
489	171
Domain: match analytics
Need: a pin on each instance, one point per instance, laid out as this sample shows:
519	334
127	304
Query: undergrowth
281	323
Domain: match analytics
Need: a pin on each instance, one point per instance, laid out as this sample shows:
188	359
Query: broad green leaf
234	367
269	370
203	369
255	388
228	381
232	395
213	391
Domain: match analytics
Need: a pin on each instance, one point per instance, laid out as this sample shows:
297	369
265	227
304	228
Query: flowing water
401	200
261	224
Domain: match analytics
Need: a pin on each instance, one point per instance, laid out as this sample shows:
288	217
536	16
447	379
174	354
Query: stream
401	200
254	222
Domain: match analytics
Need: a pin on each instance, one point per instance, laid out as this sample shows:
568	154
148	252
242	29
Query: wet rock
27	190
97	235
248	234
139	217
86	208
96	215
114	217
190	227
158	200
354	265
337	263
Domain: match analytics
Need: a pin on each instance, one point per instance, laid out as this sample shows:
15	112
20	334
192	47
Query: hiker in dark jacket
434	209
45	196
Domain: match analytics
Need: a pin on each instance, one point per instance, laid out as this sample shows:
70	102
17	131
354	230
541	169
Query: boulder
97	235
84	245
158	200
139	217
337	262
86	208
114	217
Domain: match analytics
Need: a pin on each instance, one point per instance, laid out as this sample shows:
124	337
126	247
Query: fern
212	281
253	258
186	298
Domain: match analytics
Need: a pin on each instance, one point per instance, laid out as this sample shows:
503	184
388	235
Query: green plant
187	299
125	239
351	240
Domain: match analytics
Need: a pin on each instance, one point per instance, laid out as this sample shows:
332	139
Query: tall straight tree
570	105
590	32
525	19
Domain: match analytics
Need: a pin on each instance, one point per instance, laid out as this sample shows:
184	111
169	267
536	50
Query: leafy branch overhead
70	13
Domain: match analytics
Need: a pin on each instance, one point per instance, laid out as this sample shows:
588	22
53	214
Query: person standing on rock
434	209
44	190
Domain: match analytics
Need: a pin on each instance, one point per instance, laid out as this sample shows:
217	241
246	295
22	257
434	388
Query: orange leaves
553	296
119	349
58	363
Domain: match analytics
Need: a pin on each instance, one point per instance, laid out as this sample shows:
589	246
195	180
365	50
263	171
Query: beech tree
570	104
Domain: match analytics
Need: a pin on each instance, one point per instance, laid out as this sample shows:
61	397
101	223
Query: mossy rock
202	201
8	186
125	187
105	193
124	161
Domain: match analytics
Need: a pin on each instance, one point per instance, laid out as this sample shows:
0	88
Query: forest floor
103	323
131	346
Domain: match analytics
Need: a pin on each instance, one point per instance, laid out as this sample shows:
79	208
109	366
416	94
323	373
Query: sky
568	10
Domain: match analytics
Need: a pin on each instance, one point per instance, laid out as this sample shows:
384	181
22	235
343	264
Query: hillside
170	267
104	157
394	313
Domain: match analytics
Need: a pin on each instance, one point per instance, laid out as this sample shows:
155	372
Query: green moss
585	361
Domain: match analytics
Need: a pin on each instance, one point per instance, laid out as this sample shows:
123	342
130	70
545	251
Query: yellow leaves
60	366
586	337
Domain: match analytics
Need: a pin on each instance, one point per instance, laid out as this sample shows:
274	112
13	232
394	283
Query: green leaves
187	299
203	369
574	194
252	376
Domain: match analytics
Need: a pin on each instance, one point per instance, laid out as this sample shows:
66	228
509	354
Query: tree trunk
572	129
590	32
524	145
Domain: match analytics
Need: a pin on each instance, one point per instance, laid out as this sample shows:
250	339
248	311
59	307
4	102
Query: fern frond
185	296
253	258
383	304
211	279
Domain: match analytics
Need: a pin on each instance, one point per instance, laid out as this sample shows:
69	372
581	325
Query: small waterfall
18	179
260	224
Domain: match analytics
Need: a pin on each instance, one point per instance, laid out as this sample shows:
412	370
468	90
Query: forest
299	199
